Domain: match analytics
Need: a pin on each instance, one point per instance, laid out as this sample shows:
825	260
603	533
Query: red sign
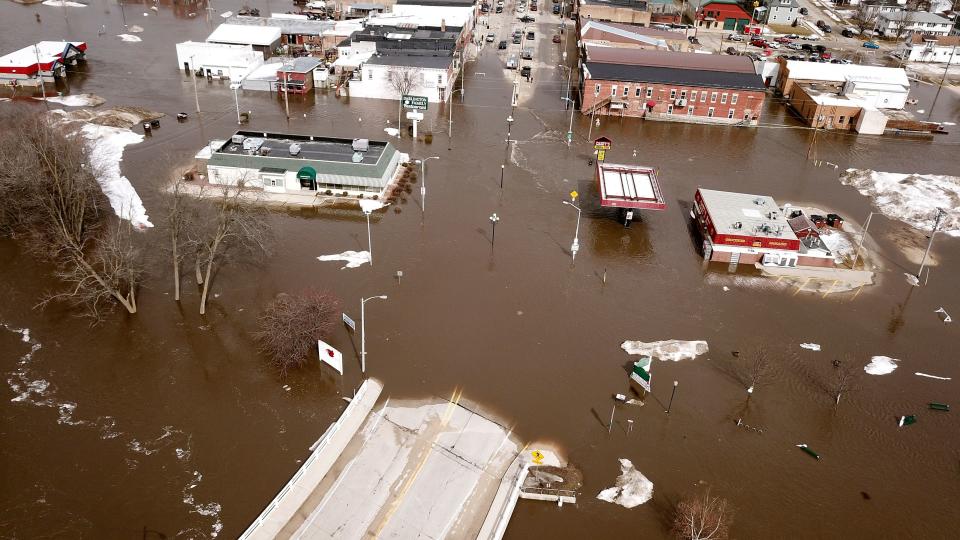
602	143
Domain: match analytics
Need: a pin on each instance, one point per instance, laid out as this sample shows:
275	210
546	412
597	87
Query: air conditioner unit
681	103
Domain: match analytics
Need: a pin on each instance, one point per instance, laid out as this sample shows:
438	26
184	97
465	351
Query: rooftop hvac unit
759	201
736	225
772	215
264	150
252	144
361	145
295	149
357	157
237	139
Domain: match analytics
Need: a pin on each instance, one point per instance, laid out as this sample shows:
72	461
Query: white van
512	62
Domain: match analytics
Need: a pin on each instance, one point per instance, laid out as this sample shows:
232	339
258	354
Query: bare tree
236	226
403	79
902	20
866	18
180	219
702	517
758	368
291	325
846	377
54	203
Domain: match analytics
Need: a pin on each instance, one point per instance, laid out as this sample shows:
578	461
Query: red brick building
671	86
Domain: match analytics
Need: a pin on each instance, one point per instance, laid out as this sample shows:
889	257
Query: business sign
601	154
349	322
602	143
415	102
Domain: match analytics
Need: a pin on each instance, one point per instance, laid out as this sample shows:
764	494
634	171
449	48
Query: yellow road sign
601	154
537	456
574	194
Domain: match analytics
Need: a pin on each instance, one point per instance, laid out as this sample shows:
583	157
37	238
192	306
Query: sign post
601	145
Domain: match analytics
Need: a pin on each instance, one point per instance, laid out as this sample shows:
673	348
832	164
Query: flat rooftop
744	214
312	148
629	186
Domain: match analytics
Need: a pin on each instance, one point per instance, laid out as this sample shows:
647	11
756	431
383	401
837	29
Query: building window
626	91
369	74
439	79
710	112
690	111
613	90
746	115
840	120
734	98
703	96
693	96
649	92
683	94
723	98
596	92
730	113
670	109
639	89
713	97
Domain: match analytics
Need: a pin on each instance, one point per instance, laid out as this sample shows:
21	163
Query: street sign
415	102
574	195
537	456
569	136
349	322
414	115
601	154
602	143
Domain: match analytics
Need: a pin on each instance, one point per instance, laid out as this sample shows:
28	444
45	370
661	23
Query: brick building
671	86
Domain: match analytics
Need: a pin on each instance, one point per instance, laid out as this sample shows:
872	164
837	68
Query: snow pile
226	14
129	37
369	205
631	489
839	244
673	349
106	153
881	365
911	198
136	29
810	346
393	132
62	3
352	258
927	375
78	100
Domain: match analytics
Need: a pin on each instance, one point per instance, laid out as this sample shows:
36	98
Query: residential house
782	12
265	39
296	75
604	34
903	23
40	64
218	60
722	15
931	49
430	76
620	11
671	86
867	9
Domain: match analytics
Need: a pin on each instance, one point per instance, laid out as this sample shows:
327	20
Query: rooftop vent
361	145
237	139
736	225
295	149
759	201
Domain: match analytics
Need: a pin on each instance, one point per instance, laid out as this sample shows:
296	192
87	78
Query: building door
729	24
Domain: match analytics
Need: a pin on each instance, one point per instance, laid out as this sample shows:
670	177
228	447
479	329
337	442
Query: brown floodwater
169	423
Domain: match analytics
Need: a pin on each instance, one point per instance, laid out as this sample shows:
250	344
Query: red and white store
46	61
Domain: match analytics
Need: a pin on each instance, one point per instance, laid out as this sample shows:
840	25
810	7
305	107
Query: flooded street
170	423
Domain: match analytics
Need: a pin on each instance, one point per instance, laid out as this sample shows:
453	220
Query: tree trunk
196	266
176	271
206	280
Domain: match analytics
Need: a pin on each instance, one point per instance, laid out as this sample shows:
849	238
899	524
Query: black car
527	19
516	40
502	44
804	11
499	9
531	36
556	9
806	47
525	71
820	49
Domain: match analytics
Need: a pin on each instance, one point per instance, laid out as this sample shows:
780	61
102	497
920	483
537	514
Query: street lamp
236	98
570	127
363	330
509	126
936	227
193	76
450	115
575	247
423	181
493	220
672	394
502	167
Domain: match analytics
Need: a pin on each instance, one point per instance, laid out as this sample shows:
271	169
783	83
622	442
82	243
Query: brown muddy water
168	423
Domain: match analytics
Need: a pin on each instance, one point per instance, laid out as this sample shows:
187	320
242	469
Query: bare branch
291	325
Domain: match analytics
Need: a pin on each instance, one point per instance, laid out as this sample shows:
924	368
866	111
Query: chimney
443	25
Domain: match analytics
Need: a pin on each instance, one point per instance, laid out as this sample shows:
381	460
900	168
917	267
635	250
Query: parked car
527	53
527	19
556	9
516	40
772	44
826	55
735	37
533	7
502	44
806	47
820	49
824	26
499	9
812	37
782	39
758	42
870	45
491	37
525	71
804	11
732	51
846	61
792	36
512	62
794	46
531	35
814	56
556	38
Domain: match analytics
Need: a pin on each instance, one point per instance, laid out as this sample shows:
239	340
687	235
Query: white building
782	12
880	87
265	39
437	16
902	23
941	49
433	77
218	60
877	92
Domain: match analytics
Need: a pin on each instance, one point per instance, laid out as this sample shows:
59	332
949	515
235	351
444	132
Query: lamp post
193	76
509	126
363	330
423	181
575	247
502	167
450	115
236	98
570	127
863	235
367	212
674	393
494	218
936	227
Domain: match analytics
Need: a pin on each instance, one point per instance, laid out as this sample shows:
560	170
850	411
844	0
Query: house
40	64
867	9
931	49
824	106
428	76
607	34
360	10
296	76
782	12
744	228
901	23
893	81
722	15
664	12
312	36
265	39
286	163
619	11
217	60
672	86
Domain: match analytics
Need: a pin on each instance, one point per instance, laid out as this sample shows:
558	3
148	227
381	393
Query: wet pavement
171	423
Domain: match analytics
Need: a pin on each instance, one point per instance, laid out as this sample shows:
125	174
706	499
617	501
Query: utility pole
193	76
286	92
43	87
863	235
947	68
936	227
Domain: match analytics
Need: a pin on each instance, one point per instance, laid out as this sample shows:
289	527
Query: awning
307	173
651	103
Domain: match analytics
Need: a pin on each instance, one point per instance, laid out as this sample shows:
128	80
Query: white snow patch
106	153
839	244
631	489
725	288
393	132
670	350
932	376
129	37
881	365
226	14
136	29
369	205
25	335
352	258
810	346
62	3
911	198
78	100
